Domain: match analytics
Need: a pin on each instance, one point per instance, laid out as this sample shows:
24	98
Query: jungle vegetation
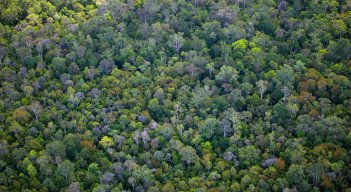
162	95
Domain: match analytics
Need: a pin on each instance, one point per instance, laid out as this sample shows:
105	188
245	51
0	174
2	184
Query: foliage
151	95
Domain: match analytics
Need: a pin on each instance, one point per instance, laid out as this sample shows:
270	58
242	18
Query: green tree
144	176
56	150
106	142
295	175
208	128
249	155
32	171
66	169
21	115
176	41
227	75
262	85
188	155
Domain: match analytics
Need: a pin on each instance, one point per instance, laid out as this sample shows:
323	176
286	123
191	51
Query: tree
106	142
136	137
316	170
118	9
227	75
285	76
282	6
339	26
262	85
66	169
239	48
256	58
148	10
100	188
295	175
17	130
132	181
281	115
240	45
210	68
72	144
227	128
11	12
227	14
208	127
200	97
36	109
106	66
144	176
107	178
21	115
56	150
168	187
59	65
145	137
233	116
74	187
249	155
32	171
188	155
155	107
176	41
286	92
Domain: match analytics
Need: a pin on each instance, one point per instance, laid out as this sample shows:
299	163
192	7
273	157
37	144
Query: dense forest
162	95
